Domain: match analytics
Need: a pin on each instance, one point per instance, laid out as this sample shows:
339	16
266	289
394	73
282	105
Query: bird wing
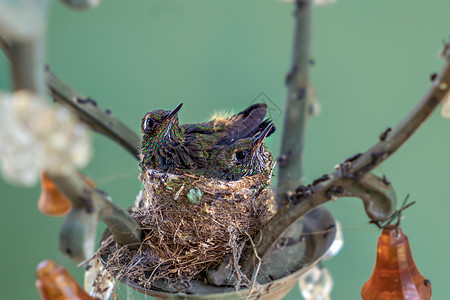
246	123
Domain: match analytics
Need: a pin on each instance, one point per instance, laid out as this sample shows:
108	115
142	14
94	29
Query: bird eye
240	156
148	124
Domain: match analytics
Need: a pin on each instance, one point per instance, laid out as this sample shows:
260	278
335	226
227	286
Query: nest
191	223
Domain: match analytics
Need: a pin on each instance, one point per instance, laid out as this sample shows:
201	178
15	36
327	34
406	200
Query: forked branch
353	178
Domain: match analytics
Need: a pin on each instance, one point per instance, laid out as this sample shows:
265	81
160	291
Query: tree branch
295	114
352	178
27	63
89	113
77	237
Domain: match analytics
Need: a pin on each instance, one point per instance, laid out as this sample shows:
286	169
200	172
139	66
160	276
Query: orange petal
52	202
56	283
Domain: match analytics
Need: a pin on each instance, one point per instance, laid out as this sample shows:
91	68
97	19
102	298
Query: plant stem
295	114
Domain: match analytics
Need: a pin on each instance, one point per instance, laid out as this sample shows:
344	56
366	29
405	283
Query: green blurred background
373	61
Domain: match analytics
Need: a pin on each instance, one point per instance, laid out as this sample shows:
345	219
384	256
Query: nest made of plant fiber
191	223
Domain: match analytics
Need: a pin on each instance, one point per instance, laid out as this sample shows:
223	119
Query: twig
397	215
89	113
295	114
258	266
352	178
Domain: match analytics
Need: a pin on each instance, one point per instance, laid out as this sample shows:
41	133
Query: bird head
245	157
159	129
159	124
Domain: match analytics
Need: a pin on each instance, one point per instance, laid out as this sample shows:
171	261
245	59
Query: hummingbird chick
244	157
245	124
224	148
163	144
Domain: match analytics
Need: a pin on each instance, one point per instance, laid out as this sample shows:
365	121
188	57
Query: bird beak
174	112
260	138
170	117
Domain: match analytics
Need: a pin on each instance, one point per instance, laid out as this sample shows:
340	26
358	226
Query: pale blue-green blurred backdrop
372	64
